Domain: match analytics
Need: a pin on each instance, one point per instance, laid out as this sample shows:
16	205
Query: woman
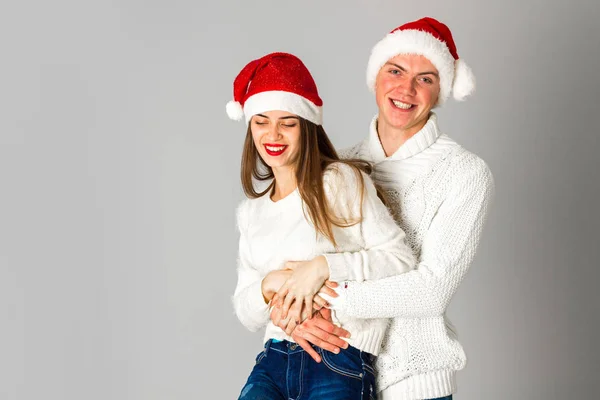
316	209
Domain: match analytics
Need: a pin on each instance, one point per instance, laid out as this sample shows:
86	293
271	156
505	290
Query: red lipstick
275	149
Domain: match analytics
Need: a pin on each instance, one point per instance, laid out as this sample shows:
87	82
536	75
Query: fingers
318	341
319	302
308	302
295	312
326	314
290	327
307	347
306	313
328	291
281	294
335	332
289	298
283	323
331	284
276	315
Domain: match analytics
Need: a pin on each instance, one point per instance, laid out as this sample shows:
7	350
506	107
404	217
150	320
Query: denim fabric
285	371
443	398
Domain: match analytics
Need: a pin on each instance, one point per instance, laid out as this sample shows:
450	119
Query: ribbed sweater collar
416	144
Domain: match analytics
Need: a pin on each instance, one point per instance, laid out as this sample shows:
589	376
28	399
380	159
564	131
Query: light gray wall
119	180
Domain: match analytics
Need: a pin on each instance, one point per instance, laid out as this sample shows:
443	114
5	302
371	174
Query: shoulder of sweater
245	209
355	151
342	180
341	173
467	166
241	213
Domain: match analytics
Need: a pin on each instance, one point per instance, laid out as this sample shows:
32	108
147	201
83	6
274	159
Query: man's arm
446	253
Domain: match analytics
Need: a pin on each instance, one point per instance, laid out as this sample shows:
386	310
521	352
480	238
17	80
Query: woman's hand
301	287
273	281
288	324
319	305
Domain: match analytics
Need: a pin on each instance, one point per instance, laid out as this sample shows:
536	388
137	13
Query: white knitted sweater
272	233
440	194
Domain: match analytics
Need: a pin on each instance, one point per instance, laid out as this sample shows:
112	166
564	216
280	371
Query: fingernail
347	335
345	346
318	359
336	351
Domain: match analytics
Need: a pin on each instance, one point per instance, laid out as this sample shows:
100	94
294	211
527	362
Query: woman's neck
285	183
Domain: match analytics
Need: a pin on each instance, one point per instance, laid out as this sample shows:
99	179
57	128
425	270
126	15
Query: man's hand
321	332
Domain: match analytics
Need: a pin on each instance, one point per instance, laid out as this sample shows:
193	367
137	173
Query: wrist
323	267
267	291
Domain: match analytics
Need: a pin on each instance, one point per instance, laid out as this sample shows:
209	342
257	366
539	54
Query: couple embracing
350	259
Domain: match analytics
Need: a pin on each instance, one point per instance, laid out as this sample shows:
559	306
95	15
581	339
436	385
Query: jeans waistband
287	347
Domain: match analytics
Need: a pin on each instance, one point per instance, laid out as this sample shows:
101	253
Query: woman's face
276	135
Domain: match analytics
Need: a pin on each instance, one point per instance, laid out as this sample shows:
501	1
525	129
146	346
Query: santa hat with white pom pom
277	81
433	40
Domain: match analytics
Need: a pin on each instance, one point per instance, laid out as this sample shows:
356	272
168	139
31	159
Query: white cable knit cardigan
440	194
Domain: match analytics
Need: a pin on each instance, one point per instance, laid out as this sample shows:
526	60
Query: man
438	192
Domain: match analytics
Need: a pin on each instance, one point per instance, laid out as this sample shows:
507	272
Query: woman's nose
273	132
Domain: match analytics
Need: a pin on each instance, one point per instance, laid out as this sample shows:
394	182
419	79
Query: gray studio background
119	180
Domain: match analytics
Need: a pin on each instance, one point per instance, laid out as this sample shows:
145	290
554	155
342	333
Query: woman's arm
385	251
249	301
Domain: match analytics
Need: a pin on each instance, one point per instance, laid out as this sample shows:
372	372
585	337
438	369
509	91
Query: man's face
406	89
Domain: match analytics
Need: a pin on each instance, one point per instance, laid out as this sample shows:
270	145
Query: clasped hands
295	294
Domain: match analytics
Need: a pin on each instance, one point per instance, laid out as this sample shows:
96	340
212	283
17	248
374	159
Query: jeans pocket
345	363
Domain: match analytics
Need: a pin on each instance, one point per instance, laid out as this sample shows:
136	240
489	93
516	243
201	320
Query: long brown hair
315	155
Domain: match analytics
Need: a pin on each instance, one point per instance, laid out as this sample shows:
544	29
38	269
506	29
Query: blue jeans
443	398
285	371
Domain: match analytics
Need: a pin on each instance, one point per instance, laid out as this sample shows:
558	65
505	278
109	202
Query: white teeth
271	148
402	105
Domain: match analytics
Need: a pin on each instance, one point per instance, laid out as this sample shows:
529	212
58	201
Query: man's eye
395	72
289	126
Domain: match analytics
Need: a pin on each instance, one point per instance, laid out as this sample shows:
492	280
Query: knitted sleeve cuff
338	270
339	302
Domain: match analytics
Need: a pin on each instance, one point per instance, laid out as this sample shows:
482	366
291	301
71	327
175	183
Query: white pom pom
234	110
464	80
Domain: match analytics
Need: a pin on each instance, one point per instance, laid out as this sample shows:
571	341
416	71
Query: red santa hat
433	40
277	81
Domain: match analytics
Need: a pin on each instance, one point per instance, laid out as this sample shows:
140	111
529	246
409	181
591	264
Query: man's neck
392	138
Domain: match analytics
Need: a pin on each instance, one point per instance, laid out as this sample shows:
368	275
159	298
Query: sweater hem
429	385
